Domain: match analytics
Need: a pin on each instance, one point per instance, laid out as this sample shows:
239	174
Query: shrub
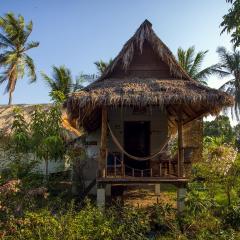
88	223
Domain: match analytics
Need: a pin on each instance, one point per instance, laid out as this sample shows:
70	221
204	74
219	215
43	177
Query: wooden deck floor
134	180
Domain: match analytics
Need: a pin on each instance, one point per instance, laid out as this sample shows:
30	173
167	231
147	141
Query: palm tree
101	65
60	82
14	59
231	22
230	66
192	62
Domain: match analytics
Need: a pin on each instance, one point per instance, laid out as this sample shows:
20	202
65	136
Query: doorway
137	143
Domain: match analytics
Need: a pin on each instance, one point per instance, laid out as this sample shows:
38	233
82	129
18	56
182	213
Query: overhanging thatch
178	91
7	117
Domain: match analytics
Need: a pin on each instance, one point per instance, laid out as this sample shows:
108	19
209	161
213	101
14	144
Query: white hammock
134	157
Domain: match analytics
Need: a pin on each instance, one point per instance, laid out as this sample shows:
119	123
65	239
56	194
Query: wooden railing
159	168
121	170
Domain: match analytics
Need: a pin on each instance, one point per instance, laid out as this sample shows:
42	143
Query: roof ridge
145	33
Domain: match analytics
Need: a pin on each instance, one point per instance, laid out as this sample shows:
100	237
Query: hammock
134	157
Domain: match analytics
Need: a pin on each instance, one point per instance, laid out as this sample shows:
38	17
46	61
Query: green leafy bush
88	223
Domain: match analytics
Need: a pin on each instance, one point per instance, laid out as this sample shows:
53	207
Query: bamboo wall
193	141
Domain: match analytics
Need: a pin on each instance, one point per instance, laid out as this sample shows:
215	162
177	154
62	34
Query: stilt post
103	144
160	169
157	189
180	146
181	194
101	197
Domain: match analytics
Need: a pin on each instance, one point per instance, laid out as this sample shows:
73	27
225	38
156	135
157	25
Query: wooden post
106	164
103	144
151	172
122	168
169	166
160	169
180	147
133	172
115	166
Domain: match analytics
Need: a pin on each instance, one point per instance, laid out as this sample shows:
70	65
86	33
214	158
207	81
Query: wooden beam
180	147
103	145
200	115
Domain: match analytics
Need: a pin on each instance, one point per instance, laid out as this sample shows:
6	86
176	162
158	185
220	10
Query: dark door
137	143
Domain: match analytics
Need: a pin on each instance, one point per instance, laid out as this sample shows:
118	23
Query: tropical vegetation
101	65
14	59
32	209
33	204
192	63
231	22
230	67
61	83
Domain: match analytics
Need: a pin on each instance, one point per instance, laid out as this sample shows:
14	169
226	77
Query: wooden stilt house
142	99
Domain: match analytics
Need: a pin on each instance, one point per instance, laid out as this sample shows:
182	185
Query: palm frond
228	85
3	78
197	63
31	45
182	59
31	68
28	31
61	80
101	65
6	41
49	81
207	72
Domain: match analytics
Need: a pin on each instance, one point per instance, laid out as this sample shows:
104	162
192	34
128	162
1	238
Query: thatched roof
7	117
136	42
176	91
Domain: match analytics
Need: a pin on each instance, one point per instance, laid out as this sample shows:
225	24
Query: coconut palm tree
230	66
101	65
231	22
14	60
60	82
192	62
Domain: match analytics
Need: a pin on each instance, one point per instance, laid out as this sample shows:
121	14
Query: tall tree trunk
10	98
12	83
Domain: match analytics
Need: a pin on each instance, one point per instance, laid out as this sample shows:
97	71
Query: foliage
232	217
230	66
14	44
88	223
220	128
20	137
46	134
61	83
192	64
41	136
231	22
221	168
101	65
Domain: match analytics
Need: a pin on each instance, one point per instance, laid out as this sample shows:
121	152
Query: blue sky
76	33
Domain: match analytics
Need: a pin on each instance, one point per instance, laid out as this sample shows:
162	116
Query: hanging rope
134	157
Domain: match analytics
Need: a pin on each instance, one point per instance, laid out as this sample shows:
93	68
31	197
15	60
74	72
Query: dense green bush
87	223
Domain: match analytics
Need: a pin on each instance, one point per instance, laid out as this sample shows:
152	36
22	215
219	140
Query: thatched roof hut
7	117
146	73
